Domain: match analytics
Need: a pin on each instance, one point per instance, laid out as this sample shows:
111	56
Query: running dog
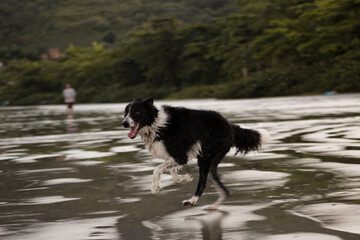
177	135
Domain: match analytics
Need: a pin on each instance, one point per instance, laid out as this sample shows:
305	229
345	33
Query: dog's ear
138	100
149	101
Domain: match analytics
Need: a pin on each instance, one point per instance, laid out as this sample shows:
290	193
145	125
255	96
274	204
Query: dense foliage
30	27
264	48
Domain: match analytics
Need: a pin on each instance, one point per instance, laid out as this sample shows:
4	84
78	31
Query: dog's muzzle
125	123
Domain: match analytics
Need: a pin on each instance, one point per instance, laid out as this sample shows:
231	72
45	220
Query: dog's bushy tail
246	140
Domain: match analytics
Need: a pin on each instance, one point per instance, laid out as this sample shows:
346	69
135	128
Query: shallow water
84	179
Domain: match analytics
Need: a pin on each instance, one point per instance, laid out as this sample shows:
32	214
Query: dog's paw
183	178
187	203
190	202
155	189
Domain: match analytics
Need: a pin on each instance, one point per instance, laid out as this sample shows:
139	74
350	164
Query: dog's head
138	114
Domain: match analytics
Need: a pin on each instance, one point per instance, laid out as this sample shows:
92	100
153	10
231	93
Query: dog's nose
125	123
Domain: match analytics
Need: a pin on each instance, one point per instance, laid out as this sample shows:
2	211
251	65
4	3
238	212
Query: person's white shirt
69	95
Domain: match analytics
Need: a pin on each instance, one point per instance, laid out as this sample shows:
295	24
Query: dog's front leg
158	171
179	178
203	173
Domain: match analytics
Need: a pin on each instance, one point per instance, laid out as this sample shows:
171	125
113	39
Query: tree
155	49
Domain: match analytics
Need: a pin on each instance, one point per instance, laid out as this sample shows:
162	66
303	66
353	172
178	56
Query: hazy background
112	50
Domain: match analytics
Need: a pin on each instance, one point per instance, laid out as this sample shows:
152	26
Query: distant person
69	98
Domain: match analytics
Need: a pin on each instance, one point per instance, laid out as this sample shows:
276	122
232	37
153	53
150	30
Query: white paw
190	202
155	189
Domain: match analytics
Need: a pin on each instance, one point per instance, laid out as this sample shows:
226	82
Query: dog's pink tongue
132	133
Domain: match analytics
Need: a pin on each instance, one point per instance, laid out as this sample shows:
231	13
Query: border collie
177	135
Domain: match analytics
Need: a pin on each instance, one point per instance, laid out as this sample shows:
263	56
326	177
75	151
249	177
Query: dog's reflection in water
211	223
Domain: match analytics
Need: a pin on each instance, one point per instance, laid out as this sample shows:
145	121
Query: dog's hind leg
203	173
158	171
220	188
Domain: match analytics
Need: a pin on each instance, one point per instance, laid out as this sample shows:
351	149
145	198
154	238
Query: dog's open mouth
133	131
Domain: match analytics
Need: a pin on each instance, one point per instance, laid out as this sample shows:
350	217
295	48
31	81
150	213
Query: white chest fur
158	150
148	134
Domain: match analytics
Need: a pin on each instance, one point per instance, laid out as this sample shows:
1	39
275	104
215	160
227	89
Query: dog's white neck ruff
148	135
150	131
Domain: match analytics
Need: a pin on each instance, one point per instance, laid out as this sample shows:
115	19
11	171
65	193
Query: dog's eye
137	113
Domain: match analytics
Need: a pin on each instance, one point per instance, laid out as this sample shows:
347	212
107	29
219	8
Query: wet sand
82	178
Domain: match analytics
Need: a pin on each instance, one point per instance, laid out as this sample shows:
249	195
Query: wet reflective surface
82	178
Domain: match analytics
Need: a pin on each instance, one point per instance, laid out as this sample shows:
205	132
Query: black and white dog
178	135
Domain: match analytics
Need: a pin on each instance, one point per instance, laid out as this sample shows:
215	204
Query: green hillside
36	25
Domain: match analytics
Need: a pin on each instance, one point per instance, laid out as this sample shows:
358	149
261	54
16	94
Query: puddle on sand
196	223
65	180
304	236
337	216
97	228
47	200
254	179
84	179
